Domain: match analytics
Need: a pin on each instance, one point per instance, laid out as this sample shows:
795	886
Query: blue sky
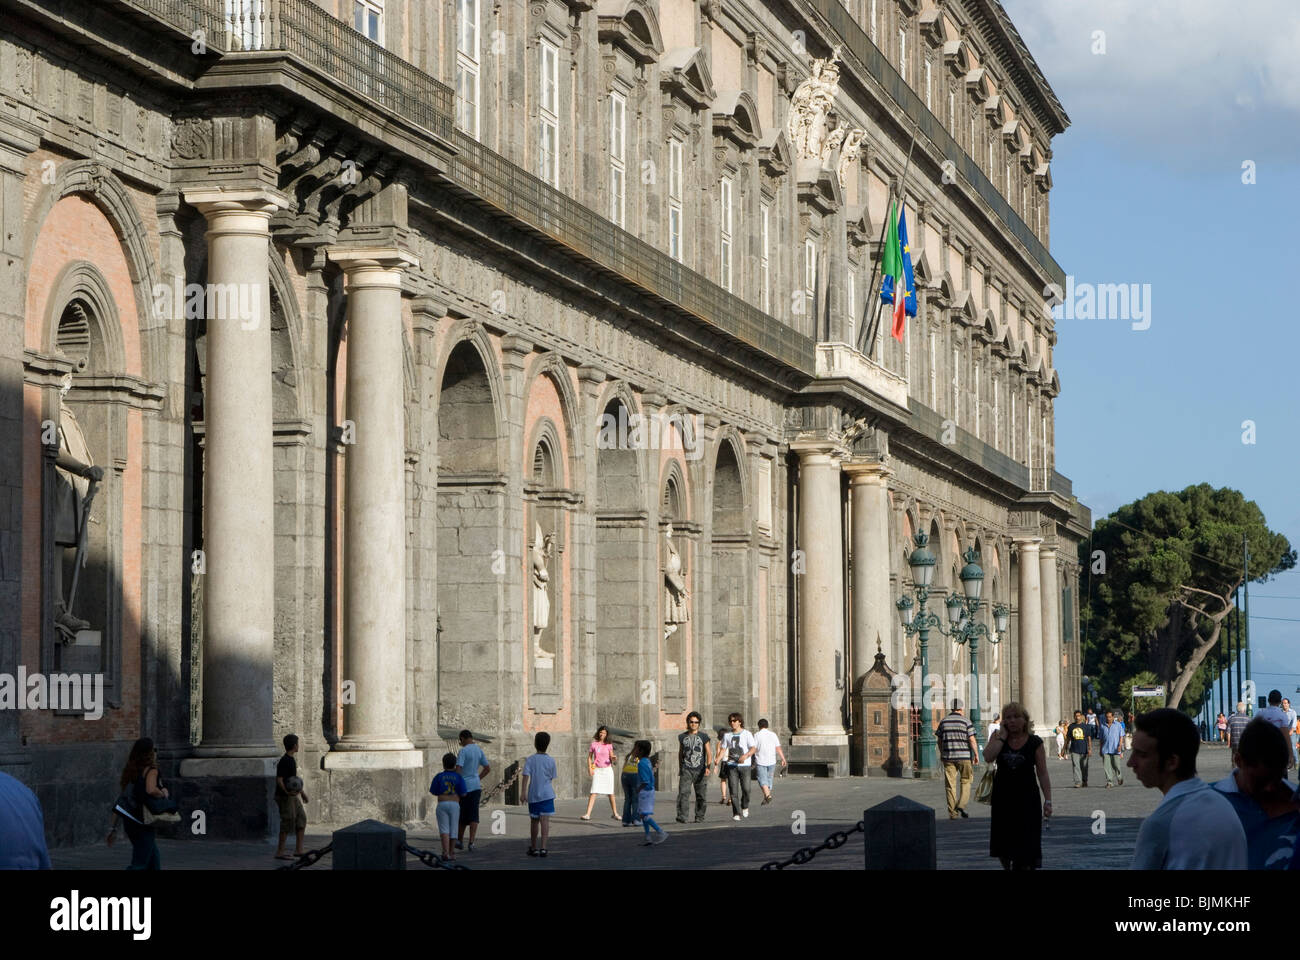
1148	189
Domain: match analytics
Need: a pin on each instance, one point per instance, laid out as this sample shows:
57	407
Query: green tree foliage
1172	563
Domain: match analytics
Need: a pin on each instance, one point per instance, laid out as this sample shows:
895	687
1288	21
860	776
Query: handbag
984	792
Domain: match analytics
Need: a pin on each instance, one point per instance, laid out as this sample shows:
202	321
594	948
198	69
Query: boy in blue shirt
539	787
471	764
646	793
448	787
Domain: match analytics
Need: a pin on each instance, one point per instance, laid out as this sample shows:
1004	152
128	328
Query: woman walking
600	764
139	779
629	779
1016	835
1060	740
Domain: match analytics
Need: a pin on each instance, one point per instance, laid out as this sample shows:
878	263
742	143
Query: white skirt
603	781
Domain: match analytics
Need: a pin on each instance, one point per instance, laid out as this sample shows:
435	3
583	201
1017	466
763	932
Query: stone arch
551	364
626	554
289	383
81	282
474	555
101	187
731	579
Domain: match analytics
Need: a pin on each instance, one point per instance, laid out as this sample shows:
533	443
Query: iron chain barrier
431	859
805	854
308	858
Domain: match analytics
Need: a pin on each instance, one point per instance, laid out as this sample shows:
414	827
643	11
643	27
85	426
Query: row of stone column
238	498
821	595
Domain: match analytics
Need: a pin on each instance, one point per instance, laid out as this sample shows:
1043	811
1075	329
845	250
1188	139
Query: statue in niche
810	103
543	547
76	479
676	596
849	154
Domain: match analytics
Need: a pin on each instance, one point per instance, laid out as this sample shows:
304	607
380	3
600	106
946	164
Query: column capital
373	266
214	201
867	471
809	450
1027	544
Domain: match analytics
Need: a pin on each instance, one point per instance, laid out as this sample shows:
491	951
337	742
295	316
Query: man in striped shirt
1237	725
957	747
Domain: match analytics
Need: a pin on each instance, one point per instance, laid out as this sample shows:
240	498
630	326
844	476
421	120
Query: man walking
1112	749
1264	801
1195	827
1279	716
1237	724
958	748
1079	747
694	763
767	747
737	748
1290	730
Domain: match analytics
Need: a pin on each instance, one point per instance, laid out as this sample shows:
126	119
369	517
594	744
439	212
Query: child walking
448	787
646	795
538	785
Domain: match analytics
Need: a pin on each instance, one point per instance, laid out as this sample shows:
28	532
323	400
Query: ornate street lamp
962	611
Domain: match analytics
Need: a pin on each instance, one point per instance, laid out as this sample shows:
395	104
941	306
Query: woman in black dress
1016	837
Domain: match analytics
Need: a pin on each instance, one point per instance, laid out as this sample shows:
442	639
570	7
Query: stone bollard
369	845
900	835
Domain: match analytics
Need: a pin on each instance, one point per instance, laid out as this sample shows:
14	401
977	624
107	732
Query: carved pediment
987	328
956	57
963	308
932	28
858	225
942	290
774	153
819	189
735	116
1011	134
1027	159
1043	177
1053	387
632	26
684	74
978	86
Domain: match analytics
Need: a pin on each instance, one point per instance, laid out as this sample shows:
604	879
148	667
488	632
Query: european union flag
905	254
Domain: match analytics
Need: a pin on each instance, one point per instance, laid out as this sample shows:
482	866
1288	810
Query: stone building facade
399	367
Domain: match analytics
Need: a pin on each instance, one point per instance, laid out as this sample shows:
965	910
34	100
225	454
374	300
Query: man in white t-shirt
737	748
767	747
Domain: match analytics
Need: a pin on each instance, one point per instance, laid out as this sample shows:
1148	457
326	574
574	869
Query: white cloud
1189	75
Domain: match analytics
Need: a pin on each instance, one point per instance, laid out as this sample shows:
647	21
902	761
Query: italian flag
891	265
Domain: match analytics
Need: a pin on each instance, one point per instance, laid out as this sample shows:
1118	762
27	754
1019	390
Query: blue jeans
629	781
144	846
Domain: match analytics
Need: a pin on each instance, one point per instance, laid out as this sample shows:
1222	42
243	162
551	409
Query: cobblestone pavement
721	843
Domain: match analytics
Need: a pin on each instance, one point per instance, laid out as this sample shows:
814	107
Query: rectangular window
368	19
1008	182
675	199
997	413
1011	402
617	157
934	376
467	67
809	274
764	263
1044	449
852	304
956	384
978	399
548	140
928	104
724	223
1024	201
972	137
990	158
873	21
952	113
902	54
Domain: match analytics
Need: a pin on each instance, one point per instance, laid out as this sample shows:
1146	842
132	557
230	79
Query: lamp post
961	614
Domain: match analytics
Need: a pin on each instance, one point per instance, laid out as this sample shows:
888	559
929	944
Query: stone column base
391	786
829	750
235	794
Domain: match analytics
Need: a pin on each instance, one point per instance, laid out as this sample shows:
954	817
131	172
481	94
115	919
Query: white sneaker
658	838
734	817
745	812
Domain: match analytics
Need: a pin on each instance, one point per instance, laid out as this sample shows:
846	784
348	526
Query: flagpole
902	204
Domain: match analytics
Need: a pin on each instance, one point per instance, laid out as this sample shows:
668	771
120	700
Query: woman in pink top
600	760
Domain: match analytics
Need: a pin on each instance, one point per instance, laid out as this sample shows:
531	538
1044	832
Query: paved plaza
720	843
